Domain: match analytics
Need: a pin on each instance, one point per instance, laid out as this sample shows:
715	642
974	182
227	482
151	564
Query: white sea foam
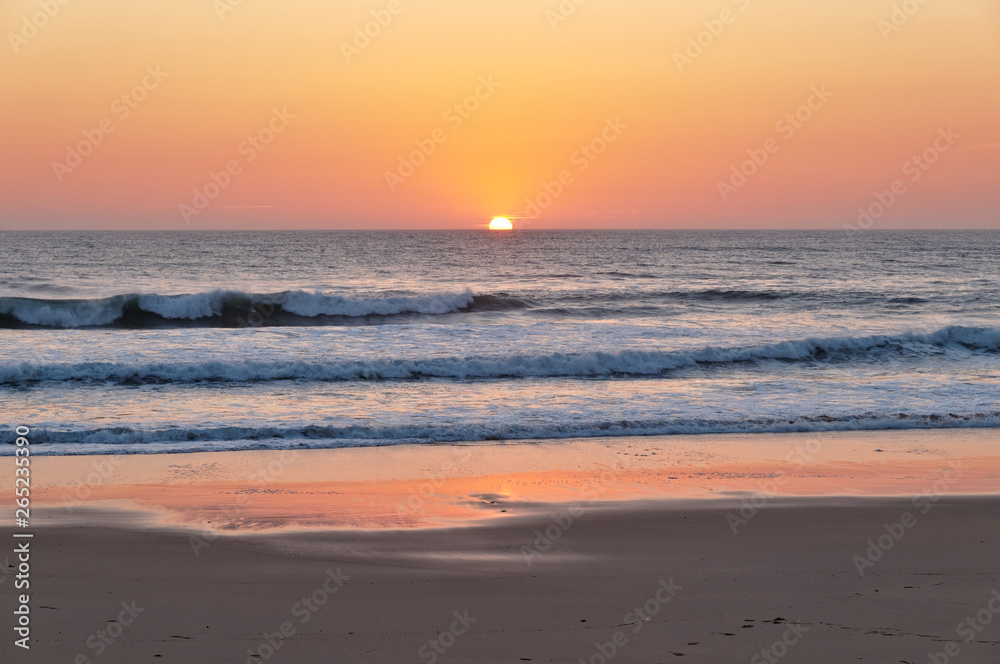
134	441
954	339
106	311
559	335
64	313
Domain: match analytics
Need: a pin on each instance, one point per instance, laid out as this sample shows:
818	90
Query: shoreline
419	486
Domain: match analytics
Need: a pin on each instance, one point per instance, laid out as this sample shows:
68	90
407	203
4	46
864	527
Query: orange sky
670	121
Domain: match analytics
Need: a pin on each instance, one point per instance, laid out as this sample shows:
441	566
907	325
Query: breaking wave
225	308
625	363
133	441
230	308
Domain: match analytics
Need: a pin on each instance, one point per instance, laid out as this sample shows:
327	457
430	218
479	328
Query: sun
501	224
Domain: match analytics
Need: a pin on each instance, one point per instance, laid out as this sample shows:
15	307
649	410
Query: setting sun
283	201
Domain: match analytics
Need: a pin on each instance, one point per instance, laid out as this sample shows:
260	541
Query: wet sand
876	547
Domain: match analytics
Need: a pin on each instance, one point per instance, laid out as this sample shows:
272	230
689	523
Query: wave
128	440
230	308
626	363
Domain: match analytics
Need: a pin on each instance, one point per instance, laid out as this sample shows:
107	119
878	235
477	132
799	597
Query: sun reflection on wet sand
417	486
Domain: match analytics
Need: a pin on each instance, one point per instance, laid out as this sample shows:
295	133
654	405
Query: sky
229	114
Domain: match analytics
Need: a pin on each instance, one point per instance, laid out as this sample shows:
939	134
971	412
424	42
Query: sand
878	547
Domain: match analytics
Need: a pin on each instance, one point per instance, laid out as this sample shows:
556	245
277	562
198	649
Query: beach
876	546
542	331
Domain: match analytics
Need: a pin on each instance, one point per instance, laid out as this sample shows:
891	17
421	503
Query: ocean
150	342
